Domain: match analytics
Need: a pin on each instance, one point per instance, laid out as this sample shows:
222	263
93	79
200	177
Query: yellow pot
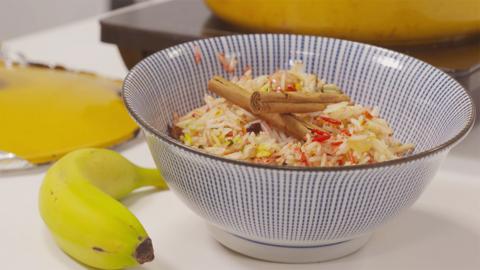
390	22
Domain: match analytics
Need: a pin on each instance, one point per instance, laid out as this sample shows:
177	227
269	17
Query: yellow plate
46	113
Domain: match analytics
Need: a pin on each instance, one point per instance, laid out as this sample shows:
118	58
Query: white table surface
441	231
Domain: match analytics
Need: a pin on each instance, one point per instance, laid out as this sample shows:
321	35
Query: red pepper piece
321	138
320	135
346	132
336	143
291	87
320	132
332	121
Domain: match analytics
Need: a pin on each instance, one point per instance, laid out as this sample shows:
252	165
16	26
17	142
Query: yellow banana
77	203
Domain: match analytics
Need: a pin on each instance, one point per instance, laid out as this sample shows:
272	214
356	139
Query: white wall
19	17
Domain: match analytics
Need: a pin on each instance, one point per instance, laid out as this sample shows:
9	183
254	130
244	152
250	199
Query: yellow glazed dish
46	113
392	22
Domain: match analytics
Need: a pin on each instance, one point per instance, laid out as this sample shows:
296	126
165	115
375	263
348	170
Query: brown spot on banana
98	249
144	251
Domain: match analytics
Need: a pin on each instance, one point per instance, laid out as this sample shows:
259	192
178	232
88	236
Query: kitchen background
20	17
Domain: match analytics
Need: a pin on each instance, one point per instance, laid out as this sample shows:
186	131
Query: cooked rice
357	134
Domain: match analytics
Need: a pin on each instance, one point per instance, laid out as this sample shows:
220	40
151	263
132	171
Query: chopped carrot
368	115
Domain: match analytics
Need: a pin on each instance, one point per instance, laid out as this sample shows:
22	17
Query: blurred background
20	17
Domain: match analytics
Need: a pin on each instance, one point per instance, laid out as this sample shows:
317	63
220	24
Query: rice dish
348	133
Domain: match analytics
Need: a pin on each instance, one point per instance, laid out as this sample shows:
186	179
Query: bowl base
288	254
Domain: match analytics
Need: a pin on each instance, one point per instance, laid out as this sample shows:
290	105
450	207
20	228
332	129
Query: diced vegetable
331	120
263	151
360	143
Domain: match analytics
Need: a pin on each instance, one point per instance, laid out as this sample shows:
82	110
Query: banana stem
151	177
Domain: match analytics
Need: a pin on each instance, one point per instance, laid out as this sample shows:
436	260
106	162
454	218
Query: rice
356	134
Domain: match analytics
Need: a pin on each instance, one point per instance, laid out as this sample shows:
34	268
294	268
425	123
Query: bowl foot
288	254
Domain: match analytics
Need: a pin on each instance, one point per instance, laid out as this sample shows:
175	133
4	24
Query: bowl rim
167	139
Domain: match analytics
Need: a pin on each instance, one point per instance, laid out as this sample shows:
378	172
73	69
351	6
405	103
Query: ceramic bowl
293	214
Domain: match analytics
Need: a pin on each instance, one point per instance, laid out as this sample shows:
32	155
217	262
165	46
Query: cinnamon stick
293	102
230	91
287	123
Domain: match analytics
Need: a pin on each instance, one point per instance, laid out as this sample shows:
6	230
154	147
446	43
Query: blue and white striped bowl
295	214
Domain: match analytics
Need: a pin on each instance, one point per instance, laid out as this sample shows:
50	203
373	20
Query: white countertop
441	231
